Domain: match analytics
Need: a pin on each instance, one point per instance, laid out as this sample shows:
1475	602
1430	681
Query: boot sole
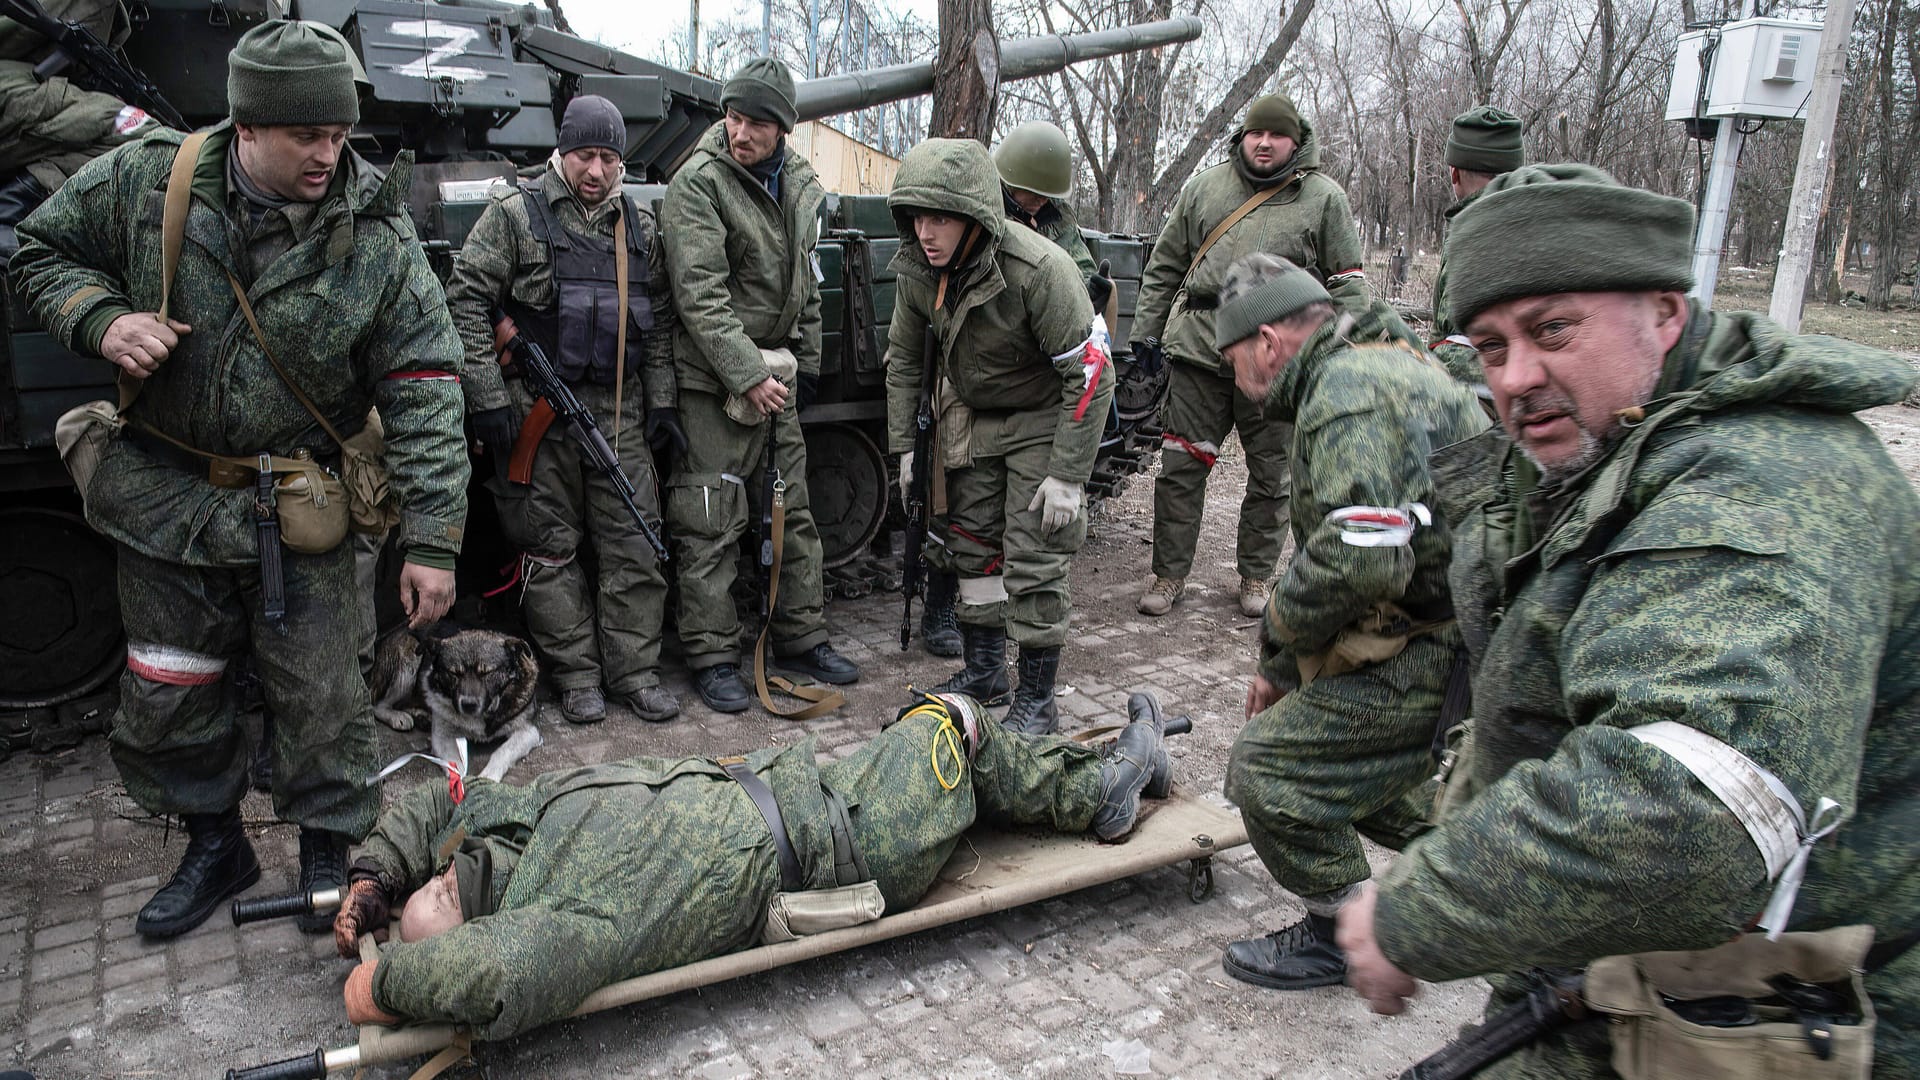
1272	982
727	706
201	914
844	679
943	652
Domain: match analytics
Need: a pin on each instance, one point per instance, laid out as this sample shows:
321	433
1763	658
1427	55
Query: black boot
1300	957
822	662
1130	764
323	865
984	679
1142	708
1033	708
217	864
722	688
939	626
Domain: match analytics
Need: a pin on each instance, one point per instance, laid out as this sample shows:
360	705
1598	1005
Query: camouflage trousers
1012	572
177	739
1202	407
593	633
907	821
1346	755
712	501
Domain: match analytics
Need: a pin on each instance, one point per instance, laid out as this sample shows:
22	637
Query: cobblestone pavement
1043	990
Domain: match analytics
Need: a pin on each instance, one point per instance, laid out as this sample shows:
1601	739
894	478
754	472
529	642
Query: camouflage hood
951	175
1728	360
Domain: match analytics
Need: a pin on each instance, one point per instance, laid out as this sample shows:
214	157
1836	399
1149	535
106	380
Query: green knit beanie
1245	308
292	72
1565	228
1486	140
763	90
1274	113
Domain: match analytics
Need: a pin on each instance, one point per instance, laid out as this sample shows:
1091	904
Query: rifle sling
820	701
246	308
1253	203
620	335
173	233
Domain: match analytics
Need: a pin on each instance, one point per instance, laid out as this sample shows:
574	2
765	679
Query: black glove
809	389
1148	356
1099	288
664	430
496	428
364	908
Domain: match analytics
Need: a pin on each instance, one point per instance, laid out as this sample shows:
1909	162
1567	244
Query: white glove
1058	503
906	478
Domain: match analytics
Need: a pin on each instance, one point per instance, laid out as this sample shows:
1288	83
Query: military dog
477	684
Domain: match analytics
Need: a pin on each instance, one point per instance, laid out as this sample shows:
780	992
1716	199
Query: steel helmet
1034	157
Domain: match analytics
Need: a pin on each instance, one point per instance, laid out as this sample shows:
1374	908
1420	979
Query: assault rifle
769	486
557	402
1552	1003
75	44
920	485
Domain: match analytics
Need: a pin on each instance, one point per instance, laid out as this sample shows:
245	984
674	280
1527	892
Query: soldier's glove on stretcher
364	909
1058	502
496	428
906	478
664	430
359	995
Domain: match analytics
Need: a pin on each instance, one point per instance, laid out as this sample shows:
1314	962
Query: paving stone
211	976
132	971
122	908
126	1000
210	942
832	1014
49	964
65	934
71	988
137	885
786	1052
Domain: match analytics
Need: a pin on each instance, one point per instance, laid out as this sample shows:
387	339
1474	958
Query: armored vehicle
474	88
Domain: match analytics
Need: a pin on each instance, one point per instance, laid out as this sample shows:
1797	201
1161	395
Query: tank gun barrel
1023	58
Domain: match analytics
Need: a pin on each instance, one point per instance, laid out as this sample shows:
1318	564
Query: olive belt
221	474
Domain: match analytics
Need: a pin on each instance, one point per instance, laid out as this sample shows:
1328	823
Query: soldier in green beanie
1290	209
1685	574
1485	143
282	209
745	214
1359	648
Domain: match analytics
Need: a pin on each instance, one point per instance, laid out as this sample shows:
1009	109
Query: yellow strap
822	701
620	336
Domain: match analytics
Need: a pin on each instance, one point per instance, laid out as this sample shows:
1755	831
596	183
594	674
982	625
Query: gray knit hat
762	89
292	72
1486	140
1261	289
1564	228
1275	113
592	120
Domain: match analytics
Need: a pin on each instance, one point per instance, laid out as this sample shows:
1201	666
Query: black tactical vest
580	330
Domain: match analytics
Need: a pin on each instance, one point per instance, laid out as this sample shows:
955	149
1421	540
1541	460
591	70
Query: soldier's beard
1592	446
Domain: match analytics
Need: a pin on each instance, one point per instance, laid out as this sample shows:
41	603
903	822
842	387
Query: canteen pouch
312	506
81	435
793	915
1649	997
373	507
782	365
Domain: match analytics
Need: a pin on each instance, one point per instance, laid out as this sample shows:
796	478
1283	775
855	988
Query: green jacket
344	295
49	129
1309	222
501	258
1743	562
1014	334
600	873
1056	222
1366	412
1447	341
745	276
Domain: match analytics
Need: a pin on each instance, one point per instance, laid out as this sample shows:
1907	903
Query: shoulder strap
1220	230
620	336
246	309
173	232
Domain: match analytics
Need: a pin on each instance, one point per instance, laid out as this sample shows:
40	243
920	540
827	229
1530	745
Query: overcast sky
621	24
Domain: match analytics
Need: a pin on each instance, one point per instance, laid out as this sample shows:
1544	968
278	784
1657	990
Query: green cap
1486	140
1274	113
1548	229
292	72
763	90
1034	157
1261	289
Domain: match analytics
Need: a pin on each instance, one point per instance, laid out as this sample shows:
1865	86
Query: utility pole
766	27
693	35
1711	235
1814	169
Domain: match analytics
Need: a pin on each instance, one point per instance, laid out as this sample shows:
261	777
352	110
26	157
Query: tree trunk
966	80
1136	125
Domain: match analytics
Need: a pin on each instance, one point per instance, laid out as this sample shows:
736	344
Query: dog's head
475	670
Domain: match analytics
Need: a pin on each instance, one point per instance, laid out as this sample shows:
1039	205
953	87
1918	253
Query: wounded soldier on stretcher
527	899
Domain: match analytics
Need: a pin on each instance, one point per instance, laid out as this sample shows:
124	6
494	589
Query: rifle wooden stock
526	446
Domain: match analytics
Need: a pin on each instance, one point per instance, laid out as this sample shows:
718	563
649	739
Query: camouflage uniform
1709	571
745	278
1015	352
1449	344
617	626
1310	224
345	295
1349	749
613	871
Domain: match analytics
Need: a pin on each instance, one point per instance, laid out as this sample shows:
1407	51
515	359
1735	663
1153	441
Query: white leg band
981	591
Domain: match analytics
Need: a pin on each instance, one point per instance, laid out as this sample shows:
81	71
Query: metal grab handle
306	1067
279	907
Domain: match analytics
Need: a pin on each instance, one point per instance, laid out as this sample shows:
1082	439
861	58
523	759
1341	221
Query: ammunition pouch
1375	637
956	428
373	507
793	915
81	435
1752	1009
795	911
310	502
782	365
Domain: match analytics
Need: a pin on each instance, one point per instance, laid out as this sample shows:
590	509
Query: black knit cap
592	120
1275	113
762	90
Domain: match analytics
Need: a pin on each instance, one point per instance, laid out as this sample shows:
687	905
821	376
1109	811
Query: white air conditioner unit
1752	68
1788	54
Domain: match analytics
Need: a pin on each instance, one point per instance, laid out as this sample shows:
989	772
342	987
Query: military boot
985	677
722	688
1034	711
217	864
1144	708
1300	957
939	625
323	865
1132	759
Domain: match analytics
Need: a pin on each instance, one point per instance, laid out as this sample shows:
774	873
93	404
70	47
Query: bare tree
1483	59
966	78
